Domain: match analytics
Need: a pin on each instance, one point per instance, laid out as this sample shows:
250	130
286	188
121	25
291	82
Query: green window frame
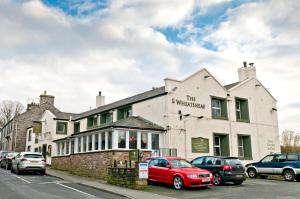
76	127
244	147
221	144
242	110
219	108
106	118
61	127
123	113
92	121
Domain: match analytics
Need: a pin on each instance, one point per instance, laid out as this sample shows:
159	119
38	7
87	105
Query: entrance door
44	150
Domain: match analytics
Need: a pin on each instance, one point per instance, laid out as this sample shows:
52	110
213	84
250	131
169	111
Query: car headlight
192	175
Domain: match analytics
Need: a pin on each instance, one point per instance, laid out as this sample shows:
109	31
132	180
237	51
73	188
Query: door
164	171
265	166
279	163
44	151
153	170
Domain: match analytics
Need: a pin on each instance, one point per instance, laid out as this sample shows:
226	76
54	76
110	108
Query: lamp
200	117
274	109
206	76
186	115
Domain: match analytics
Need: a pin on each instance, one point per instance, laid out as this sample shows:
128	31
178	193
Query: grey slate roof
127	101
229	86
64	116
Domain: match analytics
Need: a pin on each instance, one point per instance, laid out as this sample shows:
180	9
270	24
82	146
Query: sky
75	48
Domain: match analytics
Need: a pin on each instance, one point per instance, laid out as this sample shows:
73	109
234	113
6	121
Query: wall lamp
257	85
206	76
200	117
174	89
186	115
274	109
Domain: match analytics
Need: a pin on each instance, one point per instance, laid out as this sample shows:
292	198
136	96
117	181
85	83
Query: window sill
244	121
60	133
219	118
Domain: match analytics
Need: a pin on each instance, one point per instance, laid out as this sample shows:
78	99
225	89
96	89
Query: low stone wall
92	164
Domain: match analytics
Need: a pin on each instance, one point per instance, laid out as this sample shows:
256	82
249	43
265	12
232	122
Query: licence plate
34	161
206	180
239	176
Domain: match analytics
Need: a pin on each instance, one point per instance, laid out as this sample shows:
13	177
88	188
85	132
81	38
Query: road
250	189
33	186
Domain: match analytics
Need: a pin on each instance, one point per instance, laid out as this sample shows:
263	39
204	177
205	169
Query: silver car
29	161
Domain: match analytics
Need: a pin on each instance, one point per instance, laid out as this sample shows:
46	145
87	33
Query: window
36	140
72	146
244	147
77	127
144	140
67	147
102	141
110	140
122	140
79	145
106	118
96	147
132	140
268	158
29	148
124	112
62	148
92	121
163	163
242	111
219	108
198	161
84	143
90	146
155	141
280	158
221	145
29	135
153	162
61	127
292	157
210	161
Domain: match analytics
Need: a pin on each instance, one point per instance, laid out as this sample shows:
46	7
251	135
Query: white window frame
219	145
218	108
238	109
241	146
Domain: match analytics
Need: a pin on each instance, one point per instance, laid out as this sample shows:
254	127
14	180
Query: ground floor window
122	139
96	138
132	140
90	140
221	145
244	147
72	146
144	140
29	148
79	144
154	141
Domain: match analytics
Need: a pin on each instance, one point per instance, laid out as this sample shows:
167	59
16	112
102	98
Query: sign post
143	170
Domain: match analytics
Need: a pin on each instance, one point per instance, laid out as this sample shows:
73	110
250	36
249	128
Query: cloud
117	48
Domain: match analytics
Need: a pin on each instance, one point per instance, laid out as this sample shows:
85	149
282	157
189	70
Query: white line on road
22	179
74	189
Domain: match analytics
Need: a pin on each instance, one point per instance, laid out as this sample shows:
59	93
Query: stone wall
93	164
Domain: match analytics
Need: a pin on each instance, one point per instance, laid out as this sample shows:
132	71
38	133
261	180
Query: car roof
167	157
35	153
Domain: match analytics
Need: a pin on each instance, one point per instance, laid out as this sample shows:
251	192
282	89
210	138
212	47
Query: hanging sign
143	170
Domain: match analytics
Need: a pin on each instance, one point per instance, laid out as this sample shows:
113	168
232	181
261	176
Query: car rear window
232	161
181	164
33	156
292	157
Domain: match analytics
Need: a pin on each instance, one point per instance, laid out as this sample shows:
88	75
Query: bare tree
8	110
297	140
287	138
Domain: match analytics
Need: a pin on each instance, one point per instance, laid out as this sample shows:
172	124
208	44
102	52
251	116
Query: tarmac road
34	186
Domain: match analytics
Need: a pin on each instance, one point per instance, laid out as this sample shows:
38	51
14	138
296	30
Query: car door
164	170
153	170
279	162
209	164
198	162
265	166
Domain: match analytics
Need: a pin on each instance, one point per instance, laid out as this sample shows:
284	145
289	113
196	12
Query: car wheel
238	182
252	173
43	173
289	175
178	182
217	179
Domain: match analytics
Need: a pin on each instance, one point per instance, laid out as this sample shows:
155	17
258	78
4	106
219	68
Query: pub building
193	117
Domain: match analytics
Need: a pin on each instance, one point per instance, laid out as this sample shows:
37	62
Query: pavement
103	186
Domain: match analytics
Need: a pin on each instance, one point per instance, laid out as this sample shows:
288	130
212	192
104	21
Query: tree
290	142
287	138
8	110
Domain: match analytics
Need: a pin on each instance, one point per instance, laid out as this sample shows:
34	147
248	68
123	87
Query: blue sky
63	45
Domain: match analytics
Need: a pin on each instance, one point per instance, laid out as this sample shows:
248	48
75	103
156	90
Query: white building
196	116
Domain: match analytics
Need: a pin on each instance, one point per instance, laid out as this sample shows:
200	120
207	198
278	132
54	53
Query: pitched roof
229	86
64	116
127	101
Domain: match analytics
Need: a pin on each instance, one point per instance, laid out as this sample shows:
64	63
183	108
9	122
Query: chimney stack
246	72
44	98
100	100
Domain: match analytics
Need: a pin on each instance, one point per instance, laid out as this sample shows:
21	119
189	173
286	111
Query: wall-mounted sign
190	102
200	145
37	127
143	170
134	155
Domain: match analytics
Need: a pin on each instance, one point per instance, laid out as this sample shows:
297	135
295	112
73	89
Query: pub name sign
190	102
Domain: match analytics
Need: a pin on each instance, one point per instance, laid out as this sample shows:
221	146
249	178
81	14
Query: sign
200	145
143	170
191	102
37	127
134	155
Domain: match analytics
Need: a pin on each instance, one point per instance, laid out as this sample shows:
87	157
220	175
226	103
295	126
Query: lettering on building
190	102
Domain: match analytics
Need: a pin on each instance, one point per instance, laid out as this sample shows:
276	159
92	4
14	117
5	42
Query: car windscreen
12	154
181	164
33	156
3	154
232	161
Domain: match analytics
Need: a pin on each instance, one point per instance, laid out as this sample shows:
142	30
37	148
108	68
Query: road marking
74	189
22	179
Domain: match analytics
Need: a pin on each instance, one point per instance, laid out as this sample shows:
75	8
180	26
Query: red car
178	172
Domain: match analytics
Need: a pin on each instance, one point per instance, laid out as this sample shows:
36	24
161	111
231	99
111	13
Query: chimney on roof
100	100
246	72
44	98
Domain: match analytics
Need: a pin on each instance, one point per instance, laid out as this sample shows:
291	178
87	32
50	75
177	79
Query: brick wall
93	164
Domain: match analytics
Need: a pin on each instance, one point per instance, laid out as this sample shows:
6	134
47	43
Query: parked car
28	161
7	160
287	165
2	155
224	169
178	172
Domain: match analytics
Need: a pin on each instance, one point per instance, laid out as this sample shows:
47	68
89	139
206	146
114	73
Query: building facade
189	118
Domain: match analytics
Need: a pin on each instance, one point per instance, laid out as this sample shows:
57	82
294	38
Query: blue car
287	165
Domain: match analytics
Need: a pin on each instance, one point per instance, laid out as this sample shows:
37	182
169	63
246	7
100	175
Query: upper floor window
29	135
77	127
106	118
219	108
92	121
242	111
124	112
61	127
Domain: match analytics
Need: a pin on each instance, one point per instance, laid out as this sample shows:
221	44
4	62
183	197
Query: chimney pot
99	93
251	64
245	64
